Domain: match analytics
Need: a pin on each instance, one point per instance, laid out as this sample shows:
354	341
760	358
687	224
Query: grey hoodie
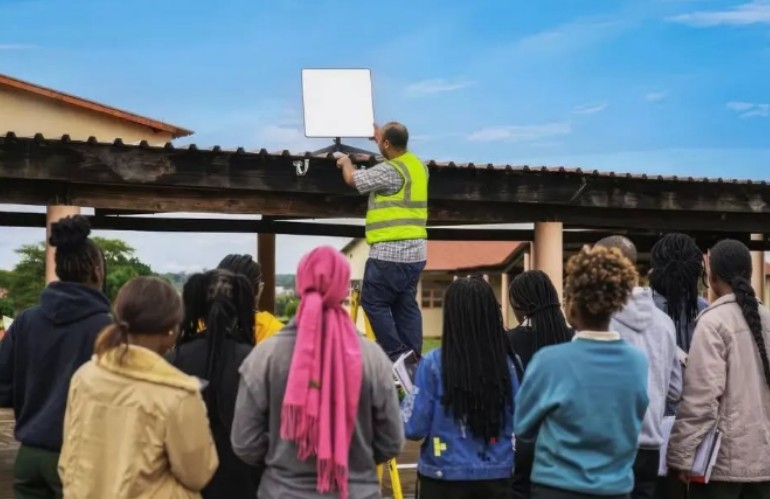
643	325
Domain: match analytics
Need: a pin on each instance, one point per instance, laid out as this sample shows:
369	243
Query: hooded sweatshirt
646	327
44	347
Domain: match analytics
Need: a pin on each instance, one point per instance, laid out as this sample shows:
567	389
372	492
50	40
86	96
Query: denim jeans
389	298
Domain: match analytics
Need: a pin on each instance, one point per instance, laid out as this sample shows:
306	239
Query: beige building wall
27	114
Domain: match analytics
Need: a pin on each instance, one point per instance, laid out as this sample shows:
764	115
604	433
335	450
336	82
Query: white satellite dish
337	103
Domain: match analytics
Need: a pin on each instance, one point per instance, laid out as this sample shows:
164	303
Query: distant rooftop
14	83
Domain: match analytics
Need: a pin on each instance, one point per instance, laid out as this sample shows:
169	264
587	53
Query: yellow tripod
395	479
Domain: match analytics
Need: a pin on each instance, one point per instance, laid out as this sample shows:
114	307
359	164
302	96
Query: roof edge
175	131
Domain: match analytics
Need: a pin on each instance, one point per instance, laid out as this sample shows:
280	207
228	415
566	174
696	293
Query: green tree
6	309
25	282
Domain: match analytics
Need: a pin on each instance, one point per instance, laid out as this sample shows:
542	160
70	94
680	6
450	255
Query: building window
433	293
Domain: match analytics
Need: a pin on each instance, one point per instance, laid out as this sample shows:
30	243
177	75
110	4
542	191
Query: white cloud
590	108
15	46
749	109
436	86
569	37
755	12
521	133
656	96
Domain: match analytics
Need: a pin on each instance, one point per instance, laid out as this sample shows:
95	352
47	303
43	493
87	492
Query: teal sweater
584	402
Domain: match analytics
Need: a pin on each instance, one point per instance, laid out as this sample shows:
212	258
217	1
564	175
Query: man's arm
382	178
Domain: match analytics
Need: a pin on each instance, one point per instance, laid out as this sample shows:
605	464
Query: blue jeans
389	298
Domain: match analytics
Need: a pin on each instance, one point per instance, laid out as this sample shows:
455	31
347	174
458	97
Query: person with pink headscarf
317	405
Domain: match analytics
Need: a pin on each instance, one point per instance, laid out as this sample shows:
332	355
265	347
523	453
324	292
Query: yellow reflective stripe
375	205
400	222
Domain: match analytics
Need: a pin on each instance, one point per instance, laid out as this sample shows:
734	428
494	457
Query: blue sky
659	86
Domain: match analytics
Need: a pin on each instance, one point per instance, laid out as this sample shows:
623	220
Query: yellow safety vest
403	215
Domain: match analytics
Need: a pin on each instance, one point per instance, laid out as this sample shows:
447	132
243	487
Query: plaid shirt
385	179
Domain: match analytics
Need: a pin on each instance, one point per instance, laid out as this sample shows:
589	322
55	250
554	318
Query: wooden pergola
568	206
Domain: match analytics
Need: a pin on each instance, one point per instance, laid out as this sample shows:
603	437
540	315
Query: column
266	258
54	213
528	257
549	252
758	266
504	300
711	296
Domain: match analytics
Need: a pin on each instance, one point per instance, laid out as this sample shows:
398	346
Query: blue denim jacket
449	451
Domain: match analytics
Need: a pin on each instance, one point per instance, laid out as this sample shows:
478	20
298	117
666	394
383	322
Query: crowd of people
202	395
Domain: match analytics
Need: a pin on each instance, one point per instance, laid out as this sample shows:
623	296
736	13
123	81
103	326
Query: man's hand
344	162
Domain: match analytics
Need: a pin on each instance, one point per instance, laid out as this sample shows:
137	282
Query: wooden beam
215	180
643	239
266	258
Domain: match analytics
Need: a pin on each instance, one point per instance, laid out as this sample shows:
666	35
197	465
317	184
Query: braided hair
225	303
474	358
730	262
78	258
243	265
533	293
677	267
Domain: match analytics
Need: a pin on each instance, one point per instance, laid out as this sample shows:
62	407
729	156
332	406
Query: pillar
549	252
758	269
711	295
54	213
505	302
528	257
266	258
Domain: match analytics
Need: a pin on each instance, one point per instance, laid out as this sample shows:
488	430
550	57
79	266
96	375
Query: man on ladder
396	220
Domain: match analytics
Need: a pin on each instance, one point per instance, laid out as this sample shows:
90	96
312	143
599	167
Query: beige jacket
724	382
137	429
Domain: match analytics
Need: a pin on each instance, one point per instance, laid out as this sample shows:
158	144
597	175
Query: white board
337	103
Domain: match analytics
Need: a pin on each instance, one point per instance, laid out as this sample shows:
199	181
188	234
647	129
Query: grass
429	344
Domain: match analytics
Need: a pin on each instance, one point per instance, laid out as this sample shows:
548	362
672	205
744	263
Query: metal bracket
301	166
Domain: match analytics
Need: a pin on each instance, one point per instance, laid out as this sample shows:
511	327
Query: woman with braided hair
265	323
225	303
462	403
583	402
537	308
676	271
44	347
727	384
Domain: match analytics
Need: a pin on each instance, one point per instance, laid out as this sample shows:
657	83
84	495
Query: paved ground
8	448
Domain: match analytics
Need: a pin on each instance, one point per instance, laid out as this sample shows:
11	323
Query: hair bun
70	234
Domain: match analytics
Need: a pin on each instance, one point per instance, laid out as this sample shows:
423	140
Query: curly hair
599	282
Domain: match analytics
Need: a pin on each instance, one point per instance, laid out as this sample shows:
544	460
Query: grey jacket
643	325
378	435
724	384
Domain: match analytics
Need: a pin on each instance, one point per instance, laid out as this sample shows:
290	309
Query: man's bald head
622	243
396	135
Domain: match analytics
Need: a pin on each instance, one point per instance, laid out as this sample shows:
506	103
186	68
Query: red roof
457	255
175	131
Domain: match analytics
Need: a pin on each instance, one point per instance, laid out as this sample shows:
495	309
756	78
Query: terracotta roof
457	255
24	86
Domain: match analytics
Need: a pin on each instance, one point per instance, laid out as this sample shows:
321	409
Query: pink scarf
324	385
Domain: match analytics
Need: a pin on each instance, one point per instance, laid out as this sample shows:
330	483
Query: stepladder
395	479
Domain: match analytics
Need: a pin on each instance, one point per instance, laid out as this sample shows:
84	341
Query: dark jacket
233	479
44	347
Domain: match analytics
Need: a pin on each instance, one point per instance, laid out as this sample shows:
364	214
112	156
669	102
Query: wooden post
266	258
528	257
505	302
758	269
54	213
549	252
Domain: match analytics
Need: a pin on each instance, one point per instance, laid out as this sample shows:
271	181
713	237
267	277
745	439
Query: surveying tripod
395	479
